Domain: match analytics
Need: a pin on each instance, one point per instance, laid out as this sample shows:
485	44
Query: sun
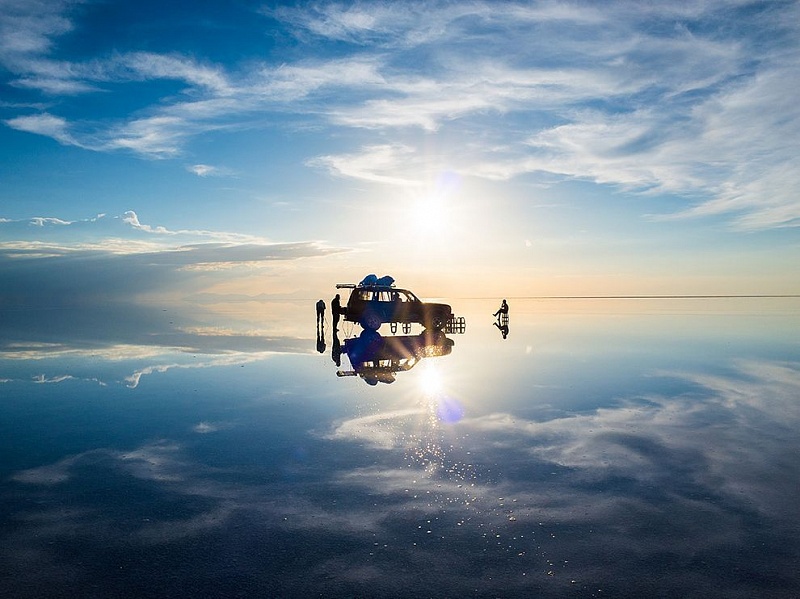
428	226
430	213
434	206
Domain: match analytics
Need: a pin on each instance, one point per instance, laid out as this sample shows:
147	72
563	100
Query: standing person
336	310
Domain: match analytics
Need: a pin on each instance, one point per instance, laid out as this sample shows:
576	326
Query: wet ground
603	448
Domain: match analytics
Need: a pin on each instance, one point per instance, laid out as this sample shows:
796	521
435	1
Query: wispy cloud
378	164
681	109
207	170
148	65
658	98
45	124
28	27
121	258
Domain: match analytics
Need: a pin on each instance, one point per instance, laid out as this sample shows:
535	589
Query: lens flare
449	410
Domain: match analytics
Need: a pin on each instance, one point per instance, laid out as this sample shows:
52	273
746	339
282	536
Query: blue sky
467	148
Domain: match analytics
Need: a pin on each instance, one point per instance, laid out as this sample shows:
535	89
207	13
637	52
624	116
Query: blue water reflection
602	449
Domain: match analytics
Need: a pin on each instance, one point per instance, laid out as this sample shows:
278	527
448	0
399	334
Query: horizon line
584	297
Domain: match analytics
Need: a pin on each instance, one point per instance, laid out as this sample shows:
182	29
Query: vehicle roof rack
360	286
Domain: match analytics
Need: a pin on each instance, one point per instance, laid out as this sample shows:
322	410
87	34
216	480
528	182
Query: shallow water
605	448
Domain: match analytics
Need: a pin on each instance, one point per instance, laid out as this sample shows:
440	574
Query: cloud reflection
119	343
671	484
670	475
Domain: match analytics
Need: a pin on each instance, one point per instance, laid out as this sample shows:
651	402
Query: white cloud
292	82
28	26
379	164
53	379
693	99
44	124
55	86
207	170
156	136
158	66
41	221
202	170
102	258
127	227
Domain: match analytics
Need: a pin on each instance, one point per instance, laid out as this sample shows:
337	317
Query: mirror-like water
602	448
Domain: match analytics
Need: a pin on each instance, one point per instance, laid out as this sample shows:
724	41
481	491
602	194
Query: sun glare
434	208
430	381
432	213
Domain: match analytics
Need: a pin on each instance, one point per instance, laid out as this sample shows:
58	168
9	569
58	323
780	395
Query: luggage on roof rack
372	280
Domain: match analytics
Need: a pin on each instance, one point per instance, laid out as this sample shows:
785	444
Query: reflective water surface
593	448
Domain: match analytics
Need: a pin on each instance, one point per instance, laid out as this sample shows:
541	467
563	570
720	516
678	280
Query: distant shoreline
528	297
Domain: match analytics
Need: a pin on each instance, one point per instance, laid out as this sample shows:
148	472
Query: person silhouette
502	311
320	312
503	328
320	341
321	326
336	350
336	310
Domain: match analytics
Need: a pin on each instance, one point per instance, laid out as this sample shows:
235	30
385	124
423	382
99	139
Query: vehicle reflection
377	359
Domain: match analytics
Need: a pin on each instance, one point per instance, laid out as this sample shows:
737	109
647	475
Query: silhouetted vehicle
372	305
376	358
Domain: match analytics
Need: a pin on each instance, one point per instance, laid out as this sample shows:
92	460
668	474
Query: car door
404	310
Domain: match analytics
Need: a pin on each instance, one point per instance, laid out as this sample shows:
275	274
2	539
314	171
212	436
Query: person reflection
321	326
320	313
503	327
320	340
336	349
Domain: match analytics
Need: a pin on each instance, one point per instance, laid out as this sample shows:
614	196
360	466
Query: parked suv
372	305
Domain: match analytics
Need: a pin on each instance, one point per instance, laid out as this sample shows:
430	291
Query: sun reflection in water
432	437
447	409
430	381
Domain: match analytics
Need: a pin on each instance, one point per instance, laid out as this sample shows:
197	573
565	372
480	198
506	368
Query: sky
259	149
